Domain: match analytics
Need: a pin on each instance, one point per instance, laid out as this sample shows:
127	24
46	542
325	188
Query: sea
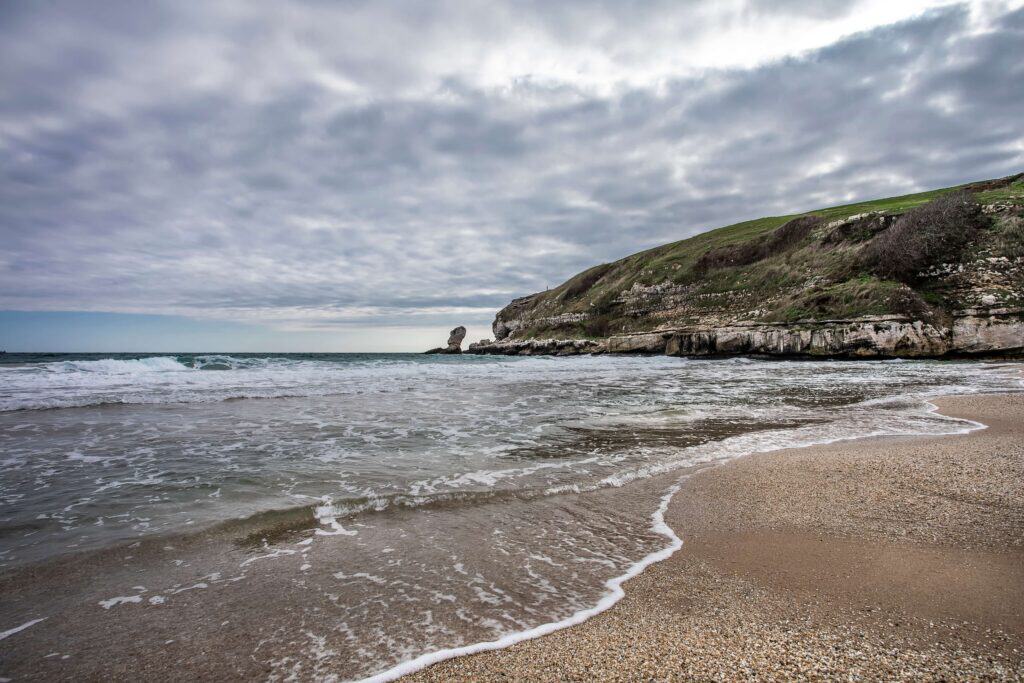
357	516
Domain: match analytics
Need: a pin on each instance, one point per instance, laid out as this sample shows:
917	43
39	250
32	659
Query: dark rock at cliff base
454	342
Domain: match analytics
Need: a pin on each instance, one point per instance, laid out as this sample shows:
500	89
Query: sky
360	176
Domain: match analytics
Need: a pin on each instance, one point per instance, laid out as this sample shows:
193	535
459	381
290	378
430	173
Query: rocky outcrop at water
539	347
454	342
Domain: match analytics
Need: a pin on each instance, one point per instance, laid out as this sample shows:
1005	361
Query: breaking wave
193	379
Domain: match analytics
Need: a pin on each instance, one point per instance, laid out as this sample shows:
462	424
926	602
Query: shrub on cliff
779	241
581	284
923	237
597	326
911	304
1011	236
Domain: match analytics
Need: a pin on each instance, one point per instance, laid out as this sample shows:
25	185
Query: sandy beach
880	559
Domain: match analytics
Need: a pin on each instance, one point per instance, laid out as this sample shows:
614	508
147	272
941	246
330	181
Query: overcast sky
320	175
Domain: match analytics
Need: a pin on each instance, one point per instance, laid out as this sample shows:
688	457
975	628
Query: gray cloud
364	162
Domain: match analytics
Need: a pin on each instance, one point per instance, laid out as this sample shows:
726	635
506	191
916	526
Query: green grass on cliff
817	276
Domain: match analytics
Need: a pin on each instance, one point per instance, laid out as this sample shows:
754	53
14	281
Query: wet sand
896	559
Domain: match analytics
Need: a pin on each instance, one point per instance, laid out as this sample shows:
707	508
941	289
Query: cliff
932	274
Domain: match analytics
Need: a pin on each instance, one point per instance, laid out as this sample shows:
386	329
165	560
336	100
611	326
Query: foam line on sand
615	593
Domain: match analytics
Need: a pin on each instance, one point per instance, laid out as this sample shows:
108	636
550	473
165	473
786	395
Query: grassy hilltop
922	255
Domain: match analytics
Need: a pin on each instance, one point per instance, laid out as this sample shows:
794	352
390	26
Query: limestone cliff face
974	332
999	331
808	286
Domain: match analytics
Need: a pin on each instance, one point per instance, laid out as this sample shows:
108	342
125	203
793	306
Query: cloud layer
324	164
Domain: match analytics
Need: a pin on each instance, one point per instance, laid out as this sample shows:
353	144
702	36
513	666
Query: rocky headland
935	274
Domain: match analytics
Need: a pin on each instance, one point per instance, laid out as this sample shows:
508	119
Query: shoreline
430	659
492	662
607	602
615	584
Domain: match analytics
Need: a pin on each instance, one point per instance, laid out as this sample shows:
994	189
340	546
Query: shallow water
395	505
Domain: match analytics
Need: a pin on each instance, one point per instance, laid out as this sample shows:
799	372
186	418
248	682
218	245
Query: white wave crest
112	366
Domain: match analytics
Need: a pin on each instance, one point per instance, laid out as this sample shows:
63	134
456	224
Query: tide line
615	594
16	629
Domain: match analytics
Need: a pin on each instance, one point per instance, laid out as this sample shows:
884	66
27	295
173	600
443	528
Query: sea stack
454	342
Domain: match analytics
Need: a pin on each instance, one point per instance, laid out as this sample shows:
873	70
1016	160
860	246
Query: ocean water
384	508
